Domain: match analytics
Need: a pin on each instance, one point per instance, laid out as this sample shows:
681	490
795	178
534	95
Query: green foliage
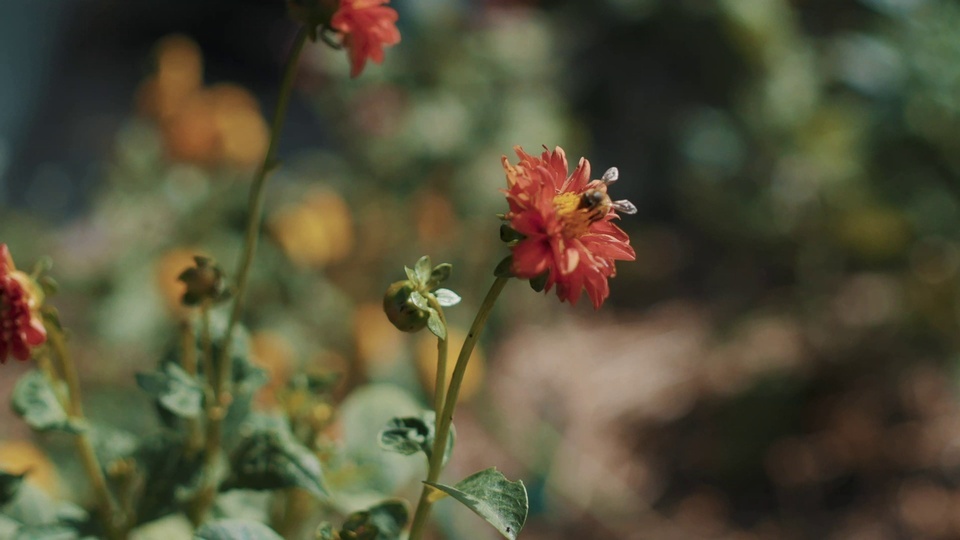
171	475
411	434
34	514
174	389
273	459
9	486
35	400
235	529
494	498
384	521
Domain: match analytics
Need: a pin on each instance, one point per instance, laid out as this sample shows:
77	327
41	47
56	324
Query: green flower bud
400	308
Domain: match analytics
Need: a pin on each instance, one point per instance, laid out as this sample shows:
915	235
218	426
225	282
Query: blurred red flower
366	27
567	225
20	326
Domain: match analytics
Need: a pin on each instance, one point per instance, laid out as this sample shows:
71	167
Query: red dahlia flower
20	326
567	225
366	27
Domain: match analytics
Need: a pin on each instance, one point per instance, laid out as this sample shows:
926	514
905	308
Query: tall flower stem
106	506
223	376
445	419
439	387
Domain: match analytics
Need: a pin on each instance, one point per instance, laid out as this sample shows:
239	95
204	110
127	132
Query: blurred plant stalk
222	377
115	525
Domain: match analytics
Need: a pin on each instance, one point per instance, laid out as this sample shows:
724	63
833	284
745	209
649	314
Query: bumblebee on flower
567	237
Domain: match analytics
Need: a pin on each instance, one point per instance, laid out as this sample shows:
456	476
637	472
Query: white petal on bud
624	206
610	176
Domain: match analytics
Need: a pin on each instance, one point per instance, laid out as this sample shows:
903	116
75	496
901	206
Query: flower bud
401	310
204	282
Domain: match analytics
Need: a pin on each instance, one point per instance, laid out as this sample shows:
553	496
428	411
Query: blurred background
779	362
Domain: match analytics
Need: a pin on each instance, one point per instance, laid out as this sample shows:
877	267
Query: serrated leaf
503	268
411	434
439	274
9	486
423	268
35	400
236	529
446	297
436	326
490	495
275	460
175	389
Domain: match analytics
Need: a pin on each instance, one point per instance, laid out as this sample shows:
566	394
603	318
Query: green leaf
411	275
411	434
384	521
405	436
171	475
175	389
538	283
423	269
446	297
236	529
35	400
32	507
273	459
503	267
436	326
420	301
509	234
325	532
46	532
439	274
9	486
494	498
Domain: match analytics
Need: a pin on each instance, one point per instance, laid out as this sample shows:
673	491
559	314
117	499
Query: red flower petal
564	234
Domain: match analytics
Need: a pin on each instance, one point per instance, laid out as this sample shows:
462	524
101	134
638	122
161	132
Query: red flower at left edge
21	328
366	27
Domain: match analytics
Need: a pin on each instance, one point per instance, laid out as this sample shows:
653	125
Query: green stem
222	378
106	506
450	403
439	387
257	190
188	345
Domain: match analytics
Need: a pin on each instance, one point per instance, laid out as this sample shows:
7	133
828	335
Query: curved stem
450	403
106	506
222	377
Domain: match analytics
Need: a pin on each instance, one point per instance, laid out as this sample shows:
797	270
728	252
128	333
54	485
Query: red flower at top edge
366	26
20	326
567	225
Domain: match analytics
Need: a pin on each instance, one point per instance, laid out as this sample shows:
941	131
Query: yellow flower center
575	219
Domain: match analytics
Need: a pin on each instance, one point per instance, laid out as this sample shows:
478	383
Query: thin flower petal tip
565	220
21	328
365	27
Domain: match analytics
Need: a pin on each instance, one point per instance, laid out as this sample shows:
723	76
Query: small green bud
401	309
